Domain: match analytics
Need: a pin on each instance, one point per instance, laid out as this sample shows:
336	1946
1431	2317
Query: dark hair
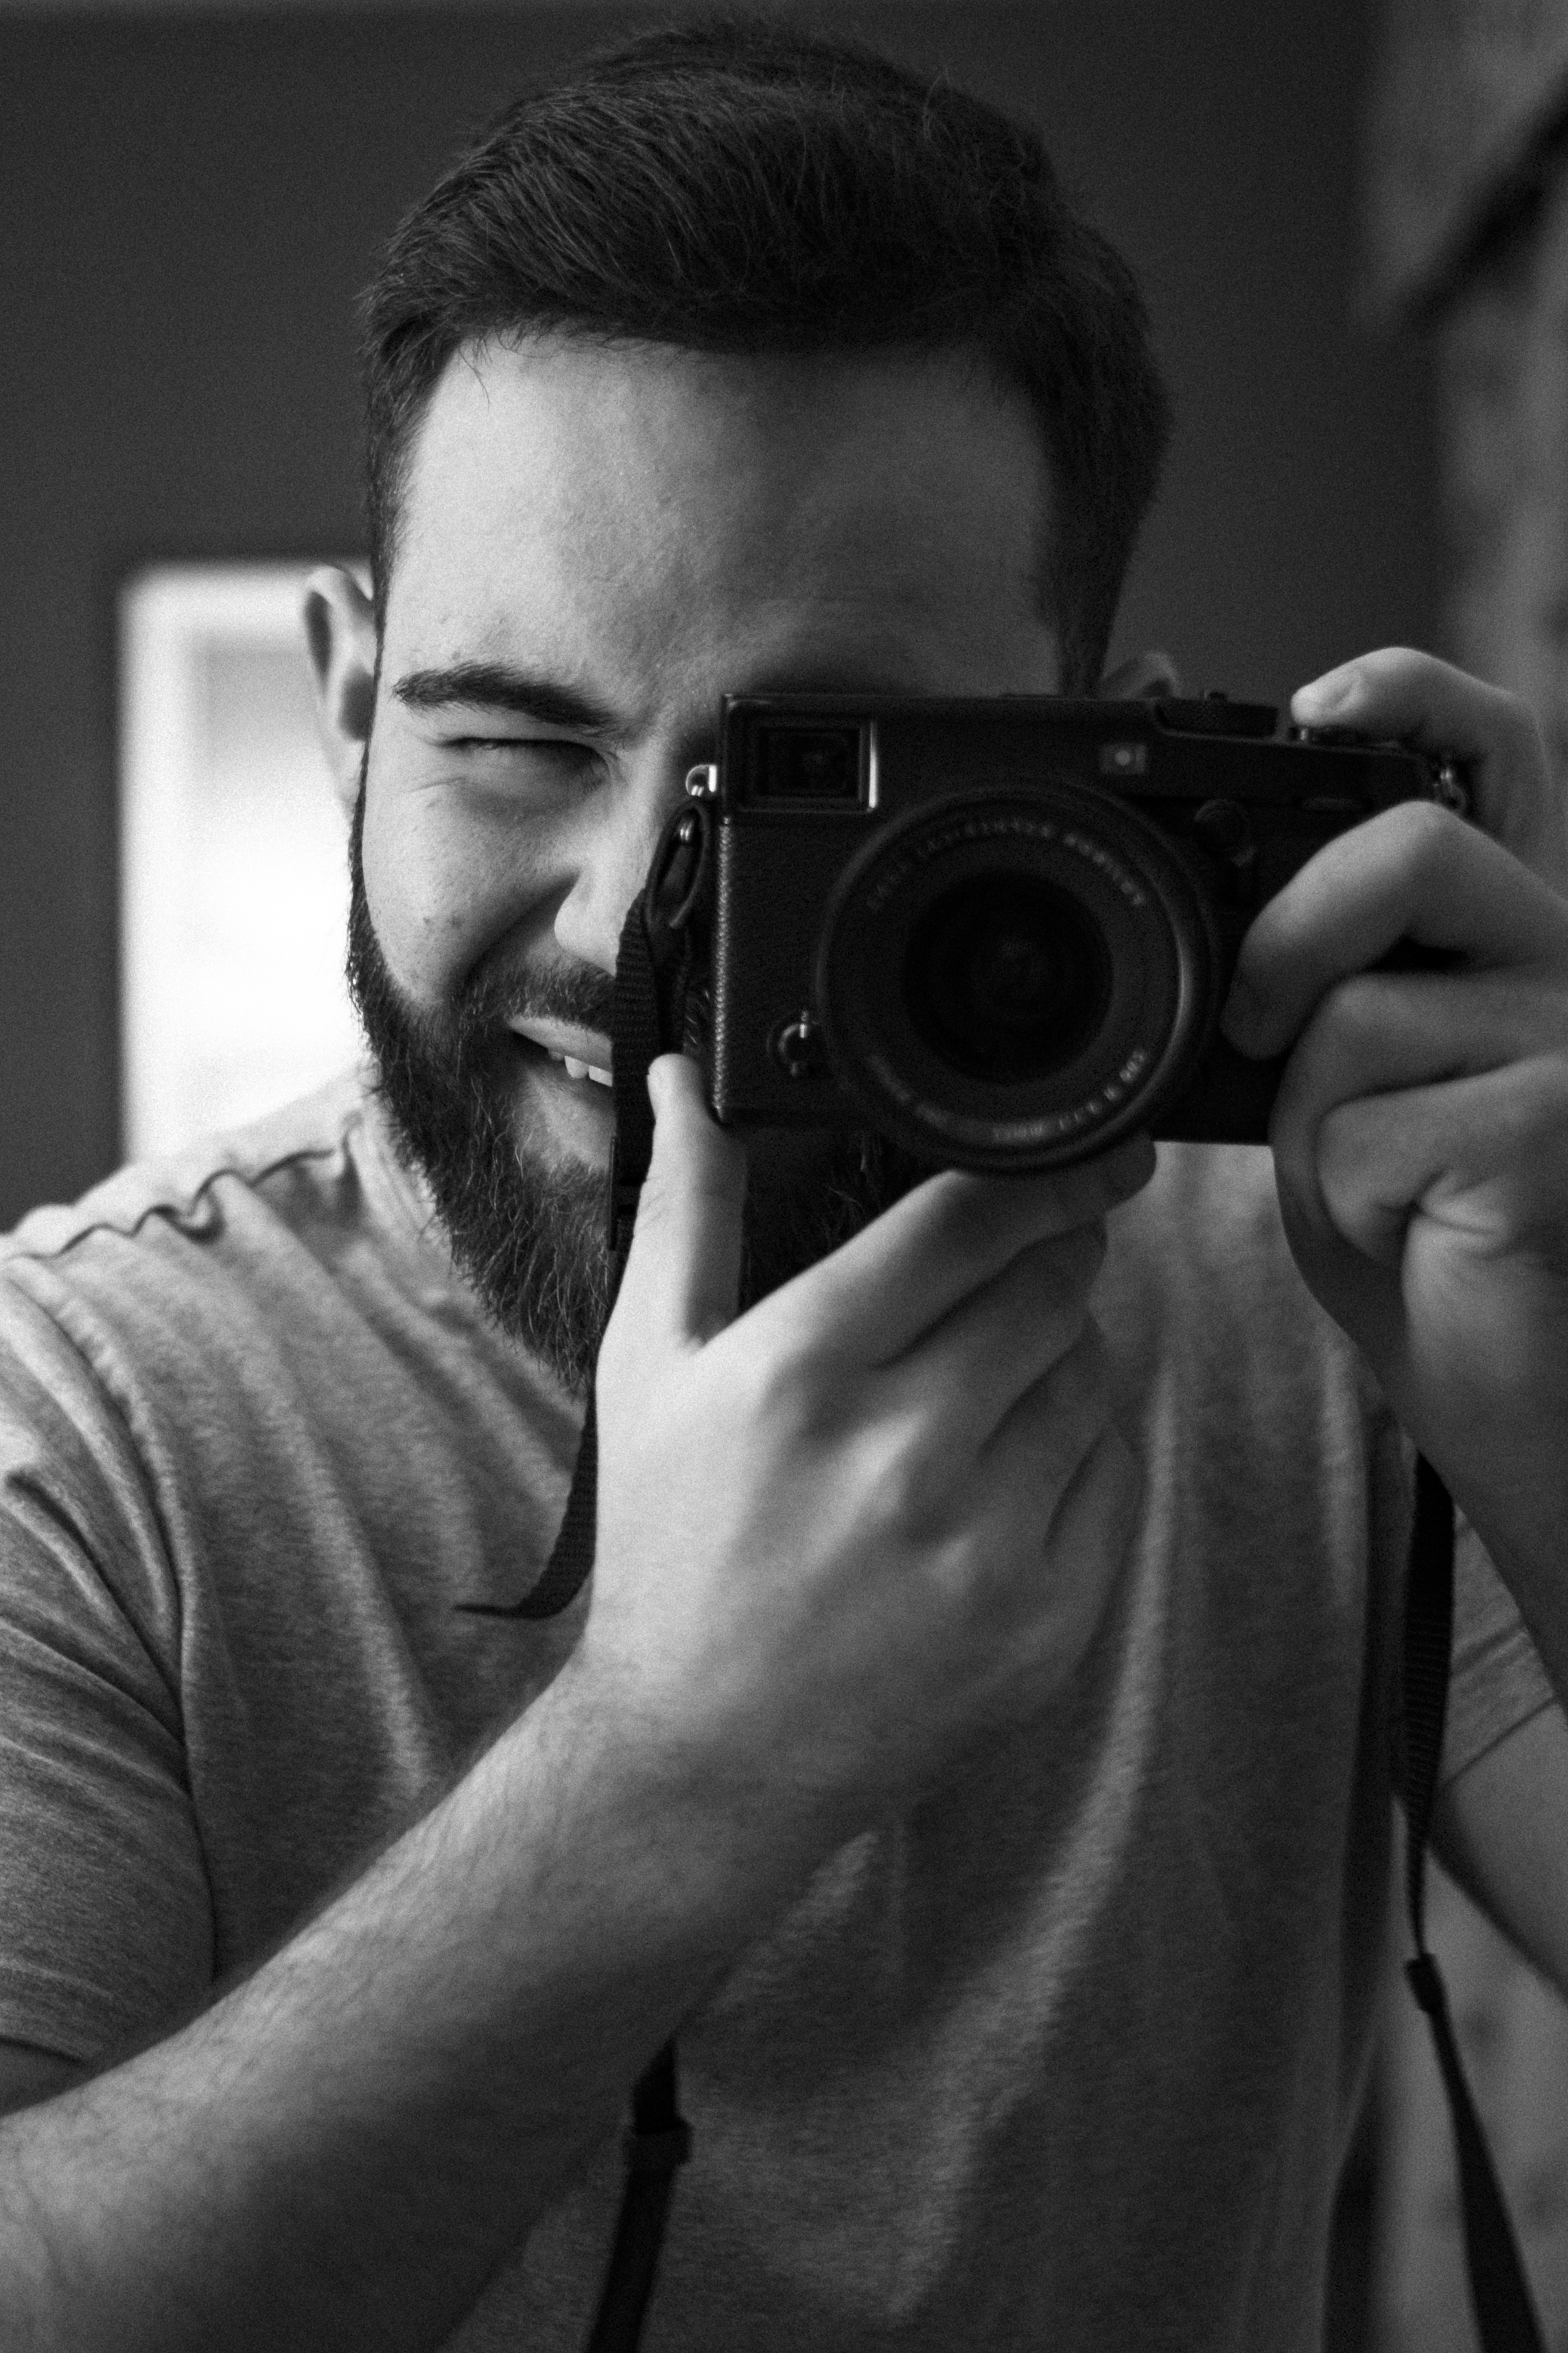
747	187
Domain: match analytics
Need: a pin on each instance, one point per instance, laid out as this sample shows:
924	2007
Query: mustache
579	994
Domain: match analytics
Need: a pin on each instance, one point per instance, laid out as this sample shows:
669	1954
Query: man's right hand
881	1512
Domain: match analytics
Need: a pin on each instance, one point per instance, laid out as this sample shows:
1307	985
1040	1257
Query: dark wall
188	206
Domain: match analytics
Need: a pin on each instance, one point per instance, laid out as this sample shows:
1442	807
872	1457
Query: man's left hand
1421	1132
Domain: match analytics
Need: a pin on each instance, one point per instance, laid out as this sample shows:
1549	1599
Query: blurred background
1351	222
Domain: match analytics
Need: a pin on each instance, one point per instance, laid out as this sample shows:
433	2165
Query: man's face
594	544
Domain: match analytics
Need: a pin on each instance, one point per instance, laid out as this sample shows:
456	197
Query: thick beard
528	1236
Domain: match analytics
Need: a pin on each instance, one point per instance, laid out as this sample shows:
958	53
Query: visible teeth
576	1069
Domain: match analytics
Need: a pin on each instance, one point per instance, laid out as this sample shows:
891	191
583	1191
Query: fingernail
1129	1168
1331	692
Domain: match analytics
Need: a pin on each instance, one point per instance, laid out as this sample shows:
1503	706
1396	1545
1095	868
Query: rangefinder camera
1001	932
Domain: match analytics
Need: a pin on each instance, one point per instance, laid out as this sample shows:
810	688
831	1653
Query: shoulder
266	1333
305	1146
290	1240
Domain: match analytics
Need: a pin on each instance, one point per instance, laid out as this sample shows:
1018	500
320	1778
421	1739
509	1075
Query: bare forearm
344	2148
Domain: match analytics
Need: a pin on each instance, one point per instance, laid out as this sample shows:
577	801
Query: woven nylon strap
647	1017
645	1021
1500	2293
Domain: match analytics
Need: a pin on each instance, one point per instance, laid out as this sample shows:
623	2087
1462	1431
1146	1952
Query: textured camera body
1002	931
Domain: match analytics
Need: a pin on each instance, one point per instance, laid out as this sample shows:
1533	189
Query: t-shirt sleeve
105	1913
1497	1681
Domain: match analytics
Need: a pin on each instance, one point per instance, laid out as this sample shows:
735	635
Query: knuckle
777	1385
970	1567
1353	1014
972	1216
1530	1120
1062	1416
1424	833
916	1483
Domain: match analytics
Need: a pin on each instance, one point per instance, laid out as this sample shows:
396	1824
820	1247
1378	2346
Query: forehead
670	518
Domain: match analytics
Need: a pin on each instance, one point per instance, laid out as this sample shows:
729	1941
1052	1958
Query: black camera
1001	932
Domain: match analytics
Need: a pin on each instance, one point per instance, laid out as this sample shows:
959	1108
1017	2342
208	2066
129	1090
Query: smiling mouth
576	1070
575	1066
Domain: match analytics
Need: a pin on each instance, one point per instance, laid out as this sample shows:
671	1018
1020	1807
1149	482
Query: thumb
683	1269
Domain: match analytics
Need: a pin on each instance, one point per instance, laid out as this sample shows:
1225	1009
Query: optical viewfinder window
819	766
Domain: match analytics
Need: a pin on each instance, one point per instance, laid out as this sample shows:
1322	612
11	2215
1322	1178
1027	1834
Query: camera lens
1006	977
1013	980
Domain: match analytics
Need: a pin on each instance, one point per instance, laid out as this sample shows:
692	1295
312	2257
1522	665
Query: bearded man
974	1739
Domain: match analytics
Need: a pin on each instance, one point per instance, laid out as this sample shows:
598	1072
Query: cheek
444	888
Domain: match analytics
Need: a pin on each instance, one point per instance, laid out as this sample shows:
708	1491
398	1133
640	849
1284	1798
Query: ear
340	634
1144	678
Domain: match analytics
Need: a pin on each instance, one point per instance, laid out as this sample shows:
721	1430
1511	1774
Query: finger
1382	1030
1417	873
1038	1445
1090	1532
1012	1489
1098	1508
1413	696
682	1274
1488	1153
1421	701
997	1343
873	1297
1074	1488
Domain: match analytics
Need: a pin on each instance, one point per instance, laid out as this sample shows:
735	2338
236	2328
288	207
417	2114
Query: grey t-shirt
1064	2057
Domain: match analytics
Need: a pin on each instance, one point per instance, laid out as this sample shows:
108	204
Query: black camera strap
653	970
653	967
1505	2315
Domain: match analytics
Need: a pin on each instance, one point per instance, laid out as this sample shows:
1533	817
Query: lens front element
1013	981
1006	978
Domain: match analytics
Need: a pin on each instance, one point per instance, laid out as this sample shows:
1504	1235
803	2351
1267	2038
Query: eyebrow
497	686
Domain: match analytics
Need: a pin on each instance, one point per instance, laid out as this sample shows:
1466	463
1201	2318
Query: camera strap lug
798	1046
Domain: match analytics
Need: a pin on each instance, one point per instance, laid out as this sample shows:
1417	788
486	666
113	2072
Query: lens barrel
1015	981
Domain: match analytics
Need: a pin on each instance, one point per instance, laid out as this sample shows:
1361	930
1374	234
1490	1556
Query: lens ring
1090	1059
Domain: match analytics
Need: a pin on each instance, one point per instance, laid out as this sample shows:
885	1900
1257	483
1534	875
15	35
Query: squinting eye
539	746
540	764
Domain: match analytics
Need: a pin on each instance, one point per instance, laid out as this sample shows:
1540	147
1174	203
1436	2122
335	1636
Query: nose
613	847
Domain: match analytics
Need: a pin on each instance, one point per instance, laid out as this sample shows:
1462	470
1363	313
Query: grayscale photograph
783	1177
